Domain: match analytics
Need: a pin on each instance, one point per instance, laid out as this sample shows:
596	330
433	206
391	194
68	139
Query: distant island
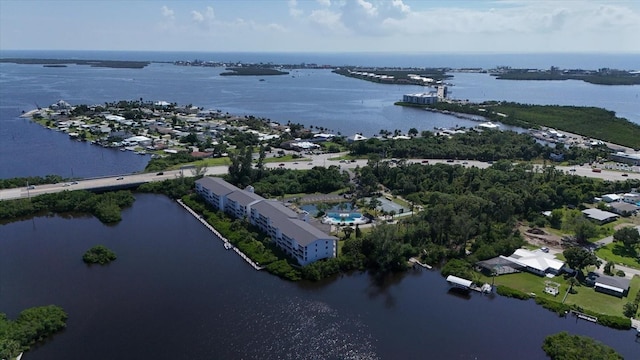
603	76
397	76
252	71
92	63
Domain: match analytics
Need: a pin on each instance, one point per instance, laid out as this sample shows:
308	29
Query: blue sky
511	26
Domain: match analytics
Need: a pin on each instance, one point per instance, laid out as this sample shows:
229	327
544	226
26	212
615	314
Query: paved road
316	160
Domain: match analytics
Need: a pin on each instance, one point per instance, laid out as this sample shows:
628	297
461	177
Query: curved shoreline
227	244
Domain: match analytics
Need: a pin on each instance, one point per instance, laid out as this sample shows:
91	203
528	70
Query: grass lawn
204	162
617	253
586	297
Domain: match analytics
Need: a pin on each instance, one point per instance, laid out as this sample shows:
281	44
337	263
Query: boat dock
417	262
584	316
225	242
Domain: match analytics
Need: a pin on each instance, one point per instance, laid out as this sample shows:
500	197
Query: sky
450	26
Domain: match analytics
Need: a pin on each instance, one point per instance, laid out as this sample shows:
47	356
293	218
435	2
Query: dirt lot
539	237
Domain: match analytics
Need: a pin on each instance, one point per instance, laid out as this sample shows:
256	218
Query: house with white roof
356	137
611	198
537	262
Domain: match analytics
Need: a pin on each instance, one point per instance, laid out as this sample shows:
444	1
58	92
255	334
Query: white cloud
325	3
401	6
294	11
368	7
199	17
167	13
328	19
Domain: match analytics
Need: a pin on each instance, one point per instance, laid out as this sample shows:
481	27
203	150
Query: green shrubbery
615	322
563	346
555	306
99	254
32	326
106	207
513	293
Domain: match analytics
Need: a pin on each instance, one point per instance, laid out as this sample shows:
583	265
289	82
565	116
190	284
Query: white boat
228	245
489	125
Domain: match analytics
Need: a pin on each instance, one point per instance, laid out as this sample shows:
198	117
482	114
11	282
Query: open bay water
175	293
309	97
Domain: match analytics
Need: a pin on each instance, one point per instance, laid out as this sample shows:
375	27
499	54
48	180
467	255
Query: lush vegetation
99	254
32	326
489	145
163	163
592	122
513	293
13	183
173	188
601	77
106	207
277	182
563	346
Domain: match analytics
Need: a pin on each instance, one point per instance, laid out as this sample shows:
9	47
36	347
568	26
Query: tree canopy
563	346
629	236
33	325
99	254
579	258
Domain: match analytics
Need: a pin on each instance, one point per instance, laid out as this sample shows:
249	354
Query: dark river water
175	293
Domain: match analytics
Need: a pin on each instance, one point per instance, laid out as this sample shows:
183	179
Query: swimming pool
336	218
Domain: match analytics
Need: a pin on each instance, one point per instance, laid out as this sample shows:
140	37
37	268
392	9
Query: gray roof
623	206
216	185
615	281
243	197
304	233
598	214
275	211
287	221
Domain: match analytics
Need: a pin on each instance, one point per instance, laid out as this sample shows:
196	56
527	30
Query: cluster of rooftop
626	204
154	126
290	232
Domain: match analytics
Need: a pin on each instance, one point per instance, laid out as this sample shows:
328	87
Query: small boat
261	80
228	245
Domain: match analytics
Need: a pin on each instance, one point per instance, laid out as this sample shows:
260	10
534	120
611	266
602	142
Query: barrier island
603	76
592	122
92	63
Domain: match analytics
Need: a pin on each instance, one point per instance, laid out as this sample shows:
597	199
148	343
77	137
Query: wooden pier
225	242
417	262
584	316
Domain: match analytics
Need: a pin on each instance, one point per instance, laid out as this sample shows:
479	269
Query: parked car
74	183
544	249
160	173
120	178
31	187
